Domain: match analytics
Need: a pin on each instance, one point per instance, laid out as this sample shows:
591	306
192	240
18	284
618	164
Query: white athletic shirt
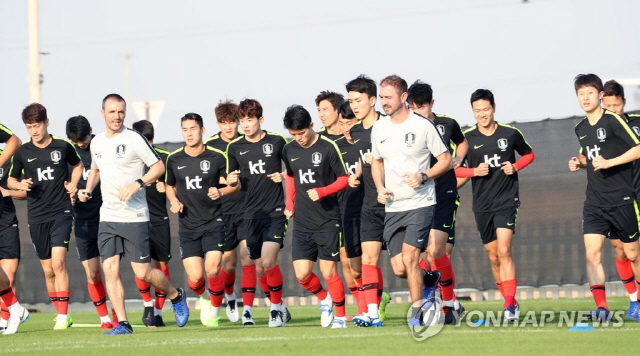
406	148
121	160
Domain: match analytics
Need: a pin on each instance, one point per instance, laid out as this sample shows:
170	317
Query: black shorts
314	245
160	239
233	231
372	224
407	227
620	222
444	217
452	236
10	243
488	222
198	243
54	233
260	230
129	240
351	236
86	233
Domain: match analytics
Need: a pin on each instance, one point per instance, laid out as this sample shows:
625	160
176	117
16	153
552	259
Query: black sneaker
453	316
147	317
158	321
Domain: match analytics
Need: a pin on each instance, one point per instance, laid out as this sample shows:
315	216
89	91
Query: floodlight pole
34	78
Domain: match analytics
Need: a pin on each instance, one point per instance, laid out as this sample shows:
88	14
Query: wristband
139	181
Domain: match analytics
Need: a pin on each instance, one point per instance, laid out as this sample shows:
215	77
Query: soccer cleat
326	312
416	320
376	322
62	324
159	323
147	317
287	315
386	299
119	330
181	309
247	318
277	319
632	313
232	311
602	314
106	325
15	320
512	313
430	280
205	310
339	323
362	321
213	322
453	316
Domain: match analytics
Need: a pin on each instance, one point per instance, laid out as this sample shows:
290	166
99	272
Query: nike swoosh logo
143	257
476	147
277	237
443	225
241	153
220	245
293	159
180	167
382	141
632	236
510	224
67	241
335	253
344	153
581	137
31	159
420	240
356	141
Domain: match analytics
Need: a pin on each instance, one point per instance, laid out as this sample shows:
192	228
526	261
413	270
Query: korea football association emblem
316	158
601	134
636	130
205	165
121	149
267	149
440	129
56	156
503	144
410	139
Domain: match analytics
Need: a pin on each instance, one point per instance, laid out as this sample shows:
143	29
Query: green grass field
304	336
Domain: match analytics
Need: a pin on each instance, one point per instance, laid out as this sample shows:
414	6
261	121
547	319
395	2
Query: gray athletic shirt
121	160
406	148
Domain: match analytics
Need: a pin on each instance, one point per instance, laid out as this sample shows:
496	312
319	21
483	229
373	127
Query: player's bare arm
461	153
24	184
11	146
176	205
631	155
14	194
76	174
127	191
414	180
92	182
354	179
377	171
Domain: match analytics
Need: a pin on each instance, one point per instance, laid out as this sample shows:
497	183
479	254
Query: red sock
500	288
509	292
145	289
53	296
248	284
274	280
4	312
264	286
362	302
312	284
380	284
197	288
8	297
626	275
370	283
63	302
599	295
98	297
336	290
447	282
424	265
229	281
216	290
160	296
114	317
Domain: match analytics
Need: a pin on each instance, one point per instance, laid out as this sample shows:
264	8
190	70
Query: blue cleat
181	309
601	314
430	280
415	321
633	310
119	330
376	322
362	321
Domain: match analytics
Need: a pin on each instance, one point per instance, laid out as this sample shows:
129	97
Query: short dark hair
363	84
115	97
227	111
78	128
34	113
483	94
420	93
334	98
250	108
588	80
193	116
297	118
345	110
396	82
145	128
613	88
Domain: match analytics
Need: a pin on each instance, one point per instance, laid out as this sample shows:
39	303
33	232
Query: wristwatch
425	177
139	181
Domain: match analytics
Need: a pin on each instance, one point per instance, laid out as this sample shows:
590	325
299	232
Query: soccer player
420	99
328	104
493	170
18	314
228	118
315	173
193	188
119	158
159	234
42	163
362	96
613	100
87	219
610	206
258	156
402	146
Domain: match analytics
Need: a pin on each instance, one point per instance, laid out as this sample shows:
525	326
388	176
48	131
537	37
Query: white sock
3	323
15	308
63	317
372	310
245	308
157	311
328	299
634	296
105	319
215	312
229	297
148	304
275	306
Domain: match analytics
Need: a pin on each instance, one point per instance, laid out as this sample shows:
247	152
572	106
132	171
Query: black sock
126	325
177	299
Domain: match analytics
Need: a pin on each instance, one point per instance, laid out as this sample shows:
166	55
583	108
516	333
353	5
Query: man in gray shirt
402	145
119	156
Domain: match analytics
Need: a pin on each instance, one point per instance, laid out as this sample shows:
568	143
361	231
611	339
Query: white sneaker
326	312
339	323
277	317
205	310
16	318
247	318
512	314
232	308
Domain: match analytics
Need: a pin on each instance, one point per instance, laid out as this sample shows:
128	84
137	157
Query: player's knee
93	276
302	275
593	256
58	265
621	255
229	268
214	271
495	260
409	260
268	263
